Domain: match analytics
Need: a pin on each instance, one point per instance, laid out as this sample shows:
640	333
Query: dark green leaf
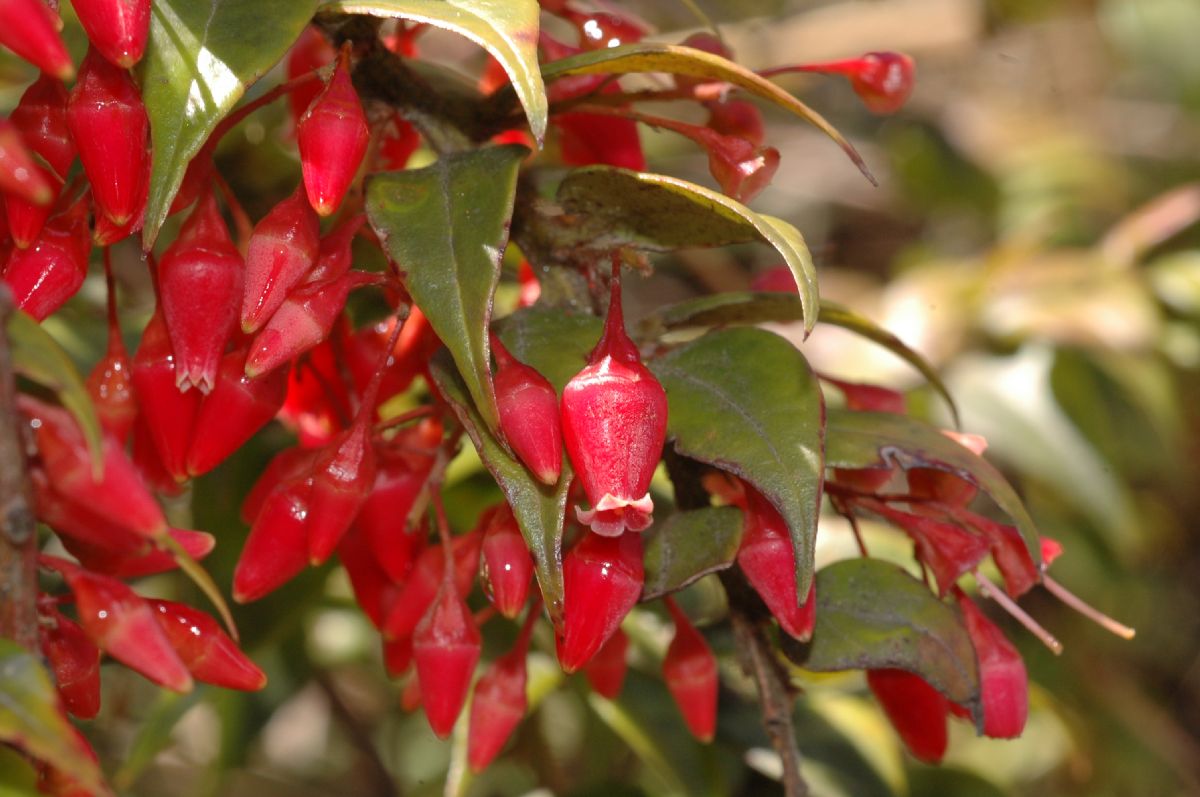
871	615
554	342
660	213
446	227
508	29
32	719
679	60
690	545
756	308
38	356
746	401
201	56
882	439
540	510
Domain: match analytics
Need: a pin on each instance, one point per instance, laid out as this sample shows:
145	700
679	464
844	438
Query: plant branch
375	771
18	529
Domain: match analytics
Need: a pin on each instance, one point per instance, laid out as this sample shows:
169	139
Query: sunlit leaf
540	510
690	545
508	29
554	342
201	56
872	615
32	719
660	213
745	400
446	226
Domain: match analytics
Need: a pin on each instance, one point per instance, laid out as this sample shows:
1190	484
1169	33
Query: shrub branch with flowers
571	411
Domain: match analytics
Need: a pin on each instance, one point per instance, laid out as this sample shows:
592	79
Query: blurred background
1034	235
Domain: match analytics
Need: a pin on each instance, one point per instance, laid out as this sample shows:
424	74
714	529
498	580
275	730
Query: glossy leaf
690	545
873	615
446	227
746	401
881	439
679	60
38	356
508	29
201	56
553	342
540	510
751	307
661	213
31	719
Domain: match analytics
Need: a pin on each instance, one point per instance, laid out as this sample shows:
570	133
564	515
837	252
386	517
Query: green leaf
679	60
508	29
746	401
446	227
882	439
690	545
201	56
871	615
540	510
661	213
38	357
756	308
17	775
553	342
153	734
32	719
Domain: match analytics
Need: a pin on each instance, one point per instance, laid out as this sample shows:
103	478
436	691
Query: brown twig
18	529
375	771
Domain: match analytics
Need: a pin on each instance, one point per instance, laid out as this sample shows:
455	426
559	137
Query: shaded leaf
32	719
858	440
871	615
446	226
690	545
201	56
554	342
154	732
661	213
746	401
37	356
679	60
540	510
756	308
508	29
17	776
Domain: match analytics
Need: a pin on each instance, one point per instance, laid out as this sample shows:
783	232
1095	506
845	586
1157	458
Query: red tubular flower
529	415
109	124
335	253
946	548
332	136
374	591
606	671
210	655
169	414
425	579
30	29
44	276
311	51
41	118
342	479
505	567
277	548
916	710
590	138
614	417
604	29
282	250
767	559
602	580
1004	684
19	175
399	140
26	219
739	119
883	81
75	661
117	28
200	282
402	468
690	671
499	702
285	466
109	382
446	648
147	560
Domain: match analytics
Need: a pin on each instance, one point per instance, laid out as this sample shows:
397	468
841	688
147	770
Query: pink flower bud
602	580
529	415
30	29
769	563
282	250
916	710
1004	684
690	671
506	567
117	28
606	670
446	648
210	655
332	136
75	661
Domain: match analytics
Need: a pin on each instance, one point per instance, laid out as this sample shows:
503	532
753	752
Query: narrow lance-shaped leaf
660	213
540	510
31	719
873	615
724	309
38	356
680	60
508	29
201	56
690	545
446	227
870	439
746	401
